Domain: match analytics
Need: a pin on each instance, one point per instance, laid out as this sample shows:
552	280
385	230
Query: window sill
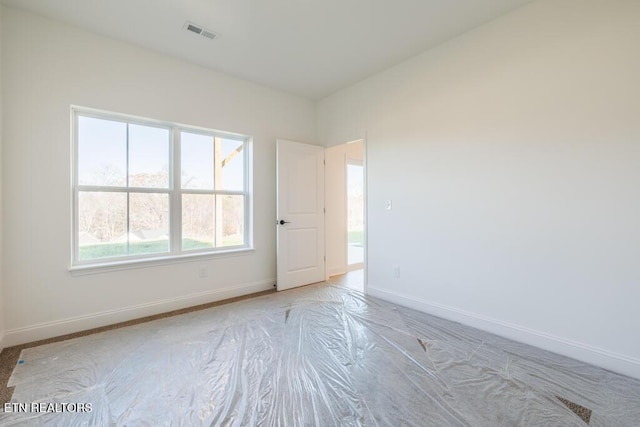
81	270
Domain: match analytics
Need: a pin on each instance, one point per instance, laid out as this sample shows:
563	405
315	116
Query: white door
300	214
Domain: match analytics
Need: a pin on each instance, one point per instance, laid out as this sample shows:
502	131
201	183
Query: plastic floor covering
315	356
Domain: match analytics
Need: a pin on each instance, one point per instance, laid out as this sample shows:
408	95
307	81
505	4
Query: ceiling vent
197	29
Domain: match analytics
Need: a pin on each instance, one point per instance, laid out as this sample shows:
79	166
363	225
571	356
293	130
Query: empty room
317	213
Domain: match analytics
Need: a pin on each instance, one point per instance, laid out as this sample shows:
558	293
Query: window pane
197	161
102	152
198	221
148	157
102	224
231	220
232	165
148	223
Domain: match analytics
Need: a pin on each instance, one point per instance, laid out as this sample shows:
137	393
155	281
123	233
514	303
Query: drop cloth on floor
320	355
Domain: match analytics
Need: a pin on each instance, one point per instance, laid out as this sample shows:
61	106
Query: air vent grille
194	29
197	29
208	34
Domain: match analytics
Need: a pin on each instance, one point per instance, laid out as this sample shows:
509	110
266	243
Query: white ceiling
307	47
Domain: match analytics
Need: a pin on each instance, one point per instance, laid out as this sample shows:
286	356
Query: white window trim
175	192
130	264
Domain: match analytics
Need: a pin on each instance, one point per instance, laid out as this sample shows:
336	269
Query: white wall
336	159
47	67
512	156
2	301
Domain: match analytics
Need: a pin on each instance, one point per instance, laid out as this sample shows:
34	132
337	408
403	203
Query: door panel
300	204
299	257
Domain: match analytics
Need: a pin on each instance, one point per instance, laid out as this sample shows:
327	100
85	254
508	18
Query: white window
144	189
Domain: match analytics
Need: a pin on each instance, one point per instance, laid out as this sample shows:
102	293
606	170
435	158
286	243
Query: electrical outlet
396	271
203	271
388	205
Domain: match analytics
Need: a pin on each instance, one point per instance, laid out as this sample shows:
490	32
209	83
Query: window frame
174	192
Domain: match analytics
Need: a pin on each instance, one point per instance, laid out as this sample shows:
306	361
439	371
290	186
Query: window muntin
144	189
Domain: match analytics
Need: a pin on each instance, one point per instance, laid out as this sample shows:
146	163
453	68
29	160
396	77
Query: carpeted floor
581	411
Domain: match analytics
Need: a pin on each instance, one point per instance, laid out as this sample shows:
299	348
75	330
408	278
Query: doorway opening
355	214
345	214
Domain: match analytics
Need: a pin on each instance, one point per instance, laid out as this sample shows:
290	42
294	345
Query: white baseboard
95	320
334	271
354	267
596	356
2	346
